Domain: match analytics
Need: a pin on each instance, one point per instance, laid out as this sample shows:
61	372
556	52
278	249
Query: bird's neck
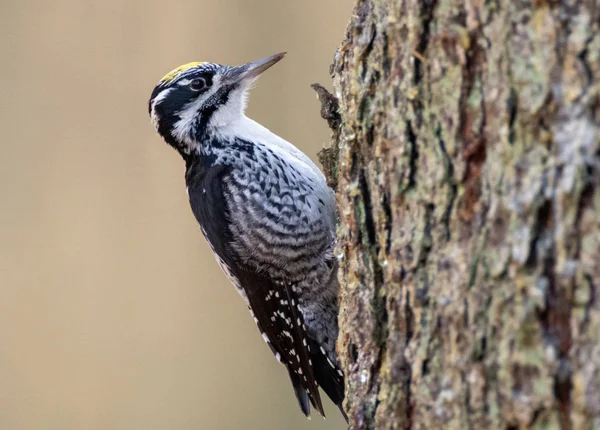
242	127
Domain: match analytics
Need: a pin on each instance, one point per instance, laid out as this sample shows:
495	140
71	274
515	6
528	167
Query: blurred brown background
113	312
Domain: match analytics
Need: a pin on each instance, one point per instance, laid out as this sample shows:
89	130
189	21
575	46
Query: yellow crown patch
175	73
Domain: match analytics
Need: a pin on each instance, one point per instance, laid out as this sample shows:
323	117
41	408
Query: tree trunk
467	161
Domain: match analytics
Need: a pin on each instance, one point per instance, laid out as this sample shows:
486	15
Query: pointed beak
250	71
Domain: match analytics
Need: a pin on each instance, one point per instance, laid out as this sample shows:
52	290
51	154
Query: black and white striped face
195	97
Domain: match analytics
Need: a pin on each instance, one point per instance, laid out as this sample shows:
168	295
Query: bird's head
194	98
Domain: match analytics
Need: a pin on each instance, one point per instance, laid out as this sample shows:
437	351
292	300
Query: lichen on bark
468	170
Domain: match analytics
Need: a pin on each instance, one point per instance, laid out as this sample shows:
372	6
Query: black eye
198	84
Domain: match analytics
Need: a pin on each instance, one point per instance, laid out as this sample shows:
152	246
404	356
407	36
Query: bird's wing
273	302
274	308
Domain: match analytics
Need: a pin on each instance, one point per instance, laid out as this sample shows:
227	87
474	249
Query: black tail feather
328	377
304	398
301	395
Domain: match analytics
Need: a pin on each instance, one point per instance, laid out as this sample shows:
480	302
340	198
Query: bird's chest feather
261	210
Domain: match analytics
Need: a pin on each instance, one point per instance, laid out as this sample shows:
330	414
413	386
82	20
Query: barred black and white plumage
267	213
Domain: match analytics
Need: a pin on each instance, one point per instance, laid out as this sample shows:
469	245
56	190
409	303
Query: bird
267	213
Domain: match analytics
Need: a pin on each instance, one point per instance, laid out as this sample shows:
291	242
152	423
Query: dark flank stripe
252	241
281	248
280	255
288	217
289	238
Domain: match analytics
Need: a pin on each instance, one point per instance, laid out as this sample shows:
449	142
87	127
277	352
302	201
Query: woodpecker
266	211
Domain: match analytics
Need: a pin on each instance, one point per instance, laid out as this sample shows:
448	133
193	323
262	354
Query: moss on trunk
468	170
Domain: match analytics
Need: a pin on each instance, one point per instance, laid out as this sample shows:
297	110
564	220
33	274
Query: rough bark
467	162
